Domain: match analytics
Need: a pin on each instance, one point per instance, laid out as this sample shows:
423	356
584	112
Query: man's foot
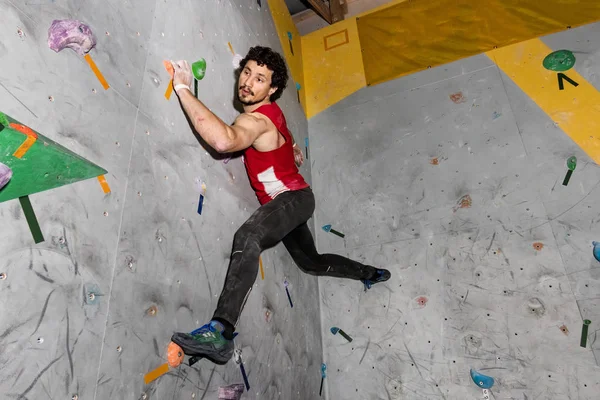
380	275
206	342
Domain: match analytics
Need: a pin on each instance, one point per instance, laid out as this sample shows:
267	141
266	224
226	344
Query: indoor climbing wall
460	180
136	215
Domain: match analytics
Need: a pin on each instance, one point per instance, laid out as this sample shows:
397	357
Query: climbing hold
323	376
152	311
72	34
560	60
464	202
457	98
483	381
571	165
564	329
335	330
434	161
5	175
175	355
237	59
199	69
327	228
231	392
538	246
298	87
596	250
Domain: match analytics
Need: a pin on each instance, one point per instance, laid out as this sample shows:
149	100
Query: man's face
254	84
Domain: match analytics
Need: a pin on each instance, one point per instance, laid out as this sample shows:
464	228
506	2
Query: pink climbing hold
72	34
422	301
231	392
5	175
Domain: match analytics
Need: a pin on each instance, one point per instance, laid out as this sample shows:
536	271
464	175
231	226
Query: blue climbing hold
596	250
327	228
323	369
483	381
298	87
289	34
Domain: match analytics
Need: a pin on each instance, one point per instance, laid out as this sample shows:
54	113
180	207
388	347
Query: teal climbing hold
483	381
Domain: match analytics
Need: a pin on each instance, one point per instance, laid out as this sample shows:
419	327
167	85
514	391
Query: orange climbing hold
434	161
175	355
169	68
538	246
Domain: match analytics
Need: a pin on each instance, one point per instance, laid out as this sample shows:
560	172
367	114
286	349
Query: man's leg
301	246
265	228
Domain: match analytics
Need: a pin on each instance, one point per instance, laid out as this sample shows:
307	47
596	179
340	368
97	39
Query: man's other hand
298	155
183	73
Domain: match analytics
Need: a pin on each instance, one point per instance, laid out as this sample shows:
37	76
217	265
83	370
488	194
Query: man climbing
271	157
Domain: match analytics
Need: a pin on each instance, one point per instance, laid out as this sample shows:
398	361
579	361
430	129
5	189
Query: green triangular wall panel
45	165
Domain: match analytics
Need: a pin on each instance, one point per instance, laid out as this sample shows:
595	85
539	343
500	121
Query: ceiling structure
312	15
296	6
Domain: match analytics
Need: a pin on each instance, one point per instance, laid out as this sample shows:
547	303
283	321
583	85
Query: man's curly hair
273	61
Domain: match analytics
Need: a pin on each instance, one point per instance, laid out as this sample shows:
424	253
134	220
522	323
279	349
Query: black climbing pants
283	219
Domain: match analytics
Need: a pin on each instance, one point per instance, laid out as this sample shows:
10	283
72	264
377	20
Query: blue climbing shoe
206	342
381	275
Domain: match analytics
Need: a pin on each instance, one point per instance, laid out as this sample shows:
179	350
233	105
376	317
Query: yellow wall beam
576	109
292	48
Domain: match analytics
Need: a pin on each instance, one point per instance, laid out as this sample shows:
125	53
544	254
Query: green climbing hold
560	60
199	69
572	163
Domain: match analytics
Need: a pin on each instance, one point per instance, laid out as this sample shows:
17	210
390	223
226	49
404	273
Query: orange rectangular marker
157	373
25	147
231	48
97	72
169	90
262	271
104	184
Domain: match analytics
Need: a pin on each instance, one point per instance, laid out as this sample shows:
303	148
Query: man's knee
246	235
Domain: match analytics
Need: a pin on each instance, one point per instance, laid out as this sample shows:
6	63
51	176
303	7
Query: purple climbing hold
5	175
72	34
231	392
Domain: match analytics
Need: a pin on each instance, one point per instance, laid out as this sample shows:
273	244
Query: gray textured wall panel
151	248
468	287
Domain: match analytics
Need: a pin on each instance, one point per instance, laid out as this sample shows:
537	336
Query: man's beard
249	102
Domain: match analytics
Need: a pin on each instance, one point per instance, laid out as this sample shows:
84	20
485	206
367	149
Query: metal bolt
91	296
119	349
74	397
2	276
40	340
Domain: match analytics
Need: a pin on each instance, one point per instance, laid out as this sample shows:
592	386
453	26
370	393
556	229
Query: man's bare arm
219	135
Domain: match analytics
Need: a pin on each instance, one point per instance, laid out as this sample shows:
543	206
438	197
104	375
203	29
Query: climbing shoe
206	342
380	275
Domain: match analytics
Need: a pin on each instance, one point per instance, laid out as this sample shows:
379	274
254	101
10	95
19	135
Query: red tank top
273	172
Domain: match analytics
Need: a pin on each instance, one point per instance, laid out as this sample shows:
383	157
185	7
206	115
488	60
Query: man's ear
272	90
